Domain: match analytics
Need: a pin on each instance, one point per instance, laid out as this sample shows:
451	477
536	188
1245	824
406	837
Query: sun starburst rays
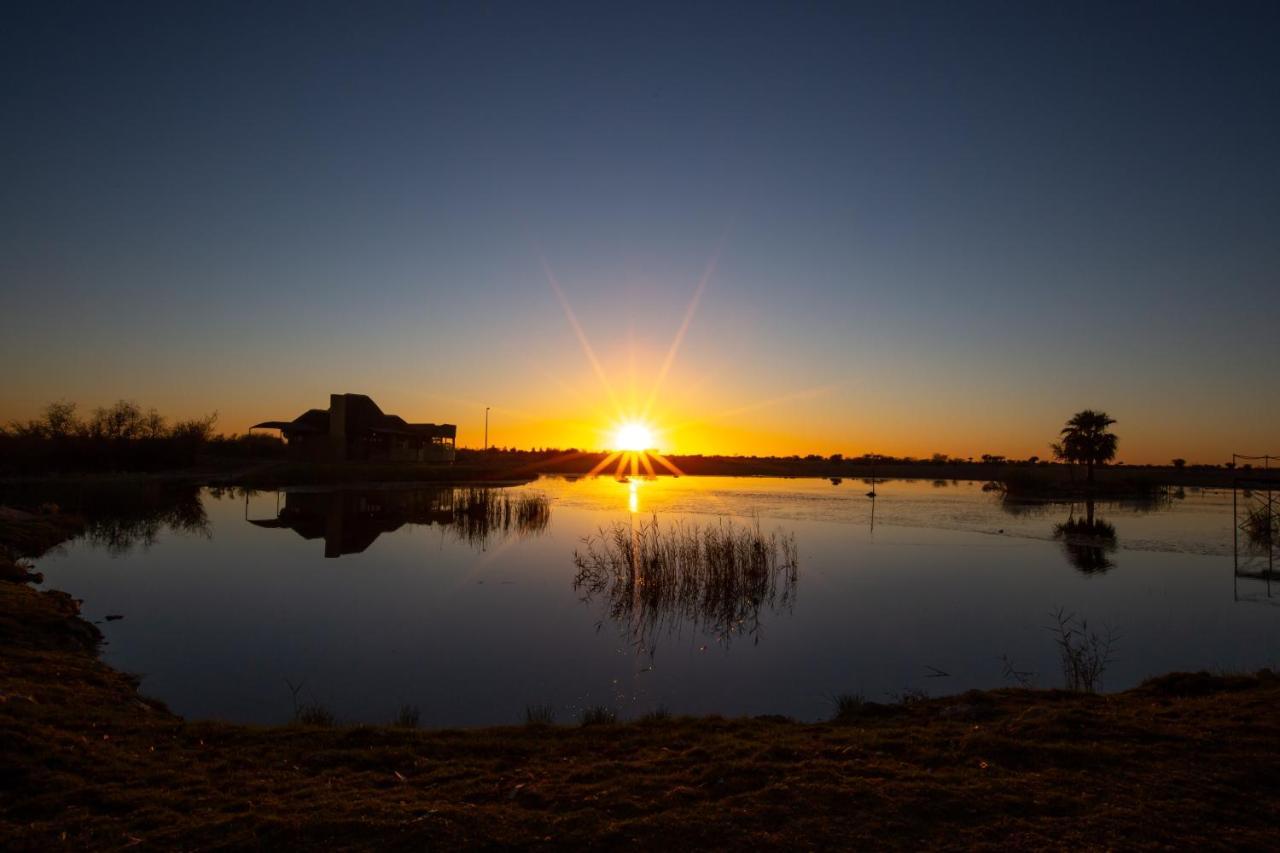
632	438
633	430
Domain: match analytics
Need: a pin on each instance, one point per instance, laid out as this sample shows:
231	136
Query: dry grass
1171	764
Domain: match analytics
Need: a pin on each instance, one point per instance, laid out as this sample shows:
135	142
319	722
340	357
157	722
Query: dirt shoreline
86	762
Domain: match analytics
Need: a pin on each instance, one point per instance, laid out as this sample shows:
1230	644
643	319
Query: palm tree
1085	439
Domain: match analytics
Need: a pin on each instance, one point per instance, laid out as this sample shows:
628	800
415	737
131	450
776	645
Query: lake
463	602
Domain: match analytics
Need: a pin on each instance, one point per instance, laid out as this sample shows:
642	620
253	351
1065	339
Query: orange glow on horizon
623	379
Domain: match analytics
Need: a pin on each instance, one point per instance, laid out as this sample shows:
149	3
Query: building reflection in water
350	520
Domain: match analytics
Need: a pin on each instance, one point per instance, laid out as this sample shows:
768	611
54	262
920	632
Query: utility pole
486	428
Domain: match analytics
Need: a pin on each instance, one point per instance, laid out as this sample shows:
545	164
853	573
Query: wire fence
1255	506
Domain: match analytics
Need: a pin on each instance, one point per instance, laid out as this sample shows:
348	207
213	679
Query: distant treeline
121	437
1032	476
573	458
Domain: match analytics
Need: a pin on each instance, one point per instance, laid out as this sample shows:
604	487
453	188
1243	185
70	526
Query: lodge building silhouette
354	429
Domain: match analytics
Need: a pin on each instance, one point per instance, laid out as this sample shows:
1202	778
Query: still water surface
376	599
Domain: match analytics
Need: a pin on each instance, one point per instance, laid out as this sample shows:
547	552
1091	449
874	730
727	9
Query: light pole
486	429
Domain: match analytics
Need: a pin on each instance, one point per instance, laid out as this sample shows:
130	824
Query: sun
633	436
633	453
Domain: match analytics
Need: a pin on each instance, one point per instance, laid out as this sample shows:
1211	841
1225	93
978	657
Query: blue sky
936	227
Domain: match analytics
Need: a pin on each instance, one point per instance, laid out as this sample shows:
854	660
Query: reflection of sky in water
472	632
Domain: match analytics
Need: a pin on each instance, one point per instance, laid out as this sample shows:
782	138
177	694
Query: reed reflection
717	578
349	521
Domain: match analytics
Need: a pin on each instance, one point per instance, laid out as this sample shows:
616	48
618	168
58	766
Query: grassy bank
88	763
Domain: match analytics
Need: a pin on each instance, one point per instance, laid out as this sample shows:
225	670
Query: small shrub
408	717
599	716
659	714
848	706
1021	677
539	715
313	714
1261	525
308	713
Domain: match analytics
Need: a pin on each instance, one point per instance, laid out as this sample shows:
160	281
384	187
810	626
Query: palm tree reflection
1087	542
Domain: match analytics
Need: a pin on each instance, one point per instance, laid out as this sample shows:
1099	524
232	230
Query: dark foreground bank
86	762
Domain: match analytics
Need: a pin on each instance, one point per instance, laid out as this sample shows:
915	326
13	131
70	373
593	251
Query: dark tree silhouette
1085	439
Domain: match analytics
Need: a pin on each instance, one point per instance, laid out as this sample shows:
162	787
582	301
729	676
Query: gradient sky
922	227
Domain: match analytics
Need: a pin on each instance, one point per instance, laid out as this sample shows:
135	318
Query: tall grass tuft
539	715
716	576
847	706
1085	655
599	716
407	717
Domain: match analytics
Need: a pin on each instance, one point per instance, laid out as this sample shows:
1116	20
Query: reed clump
539	715
716	576
480	513
599	716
